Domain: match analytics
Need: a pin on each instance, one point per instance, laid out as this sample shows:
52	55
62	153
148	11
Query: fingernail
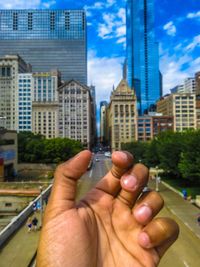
130	181
143	213
144	240
122	155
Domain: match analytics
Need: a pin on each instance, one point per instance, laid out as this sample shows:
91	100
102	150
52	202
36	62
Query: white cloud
193	15
49	4
172	69
121	31
121	40
195	43
110	3
96	6
105	30
170	28
122	14
19	4
104	72
113	26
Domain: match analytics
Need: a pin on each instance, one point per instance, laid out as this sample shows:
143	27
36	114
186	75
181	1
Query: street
185	252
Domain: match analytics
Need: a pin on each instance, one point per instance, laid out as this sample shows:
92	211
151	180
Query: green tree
137	149
151	158
189	165
169	148
36	149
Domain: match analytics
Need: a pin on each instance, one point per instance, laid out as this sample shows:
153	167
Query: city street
185	252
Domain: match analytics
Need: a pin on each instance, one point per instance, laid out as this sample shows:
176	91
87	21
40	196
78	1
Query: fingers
147	207
160	233
110	183
66	176
132	184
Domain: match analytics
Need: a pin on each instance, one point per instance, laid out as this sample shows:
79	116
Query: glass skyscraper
142	53
47	39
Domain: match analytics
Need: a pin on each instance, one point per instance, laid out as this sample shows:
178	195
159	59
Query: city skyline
177	25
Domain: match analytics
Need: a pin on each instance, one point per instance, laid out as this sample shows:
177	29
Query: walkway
21	248
183	209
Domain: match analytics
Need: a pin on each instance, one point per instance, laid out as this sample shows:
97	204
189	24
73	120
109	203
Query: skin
112	226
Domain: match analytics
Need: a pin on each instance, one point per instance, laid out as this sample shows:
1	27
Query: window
52	21
15	21
67	20
30	21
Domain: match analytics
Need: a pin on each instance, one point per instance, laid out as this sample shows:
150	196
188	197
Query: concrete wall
36	166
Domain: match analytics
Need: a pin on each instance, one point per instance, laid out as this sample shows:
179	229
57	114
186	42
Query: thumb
65	181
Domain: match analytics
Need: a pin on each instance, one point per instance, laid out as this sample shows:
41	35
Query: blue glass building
142	53
47	39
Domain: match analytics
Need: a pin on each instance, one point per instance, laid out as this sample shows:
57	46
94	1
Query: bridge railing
18	220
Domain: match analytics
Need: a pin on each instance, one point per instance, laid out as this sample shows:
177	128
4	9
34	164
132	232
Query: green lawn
181	184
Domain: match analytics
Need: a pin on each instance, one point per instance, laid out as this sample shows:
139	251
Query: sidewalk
20	249
183	209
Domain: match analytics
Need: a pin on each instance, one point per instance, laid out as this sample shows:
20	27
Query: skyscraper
47	39
142	53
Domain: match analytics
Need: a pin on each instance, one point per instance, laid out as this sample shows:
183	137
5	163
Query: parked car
107	154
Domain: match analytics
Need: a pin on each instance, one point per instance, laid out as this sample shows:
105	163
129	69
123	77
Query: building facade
8	154
45	105
10	66
121	116
190	85
182	107
76	112
197	81
47	39
142	53
151	125
25	97
103	125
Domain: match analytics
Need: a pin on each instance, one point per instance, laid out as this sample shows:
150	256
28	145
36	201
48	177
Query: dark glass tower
142	53
47	39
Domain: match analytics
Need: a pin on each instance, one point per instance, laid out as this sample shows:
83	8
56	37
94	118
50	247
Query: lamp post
41	206
157	180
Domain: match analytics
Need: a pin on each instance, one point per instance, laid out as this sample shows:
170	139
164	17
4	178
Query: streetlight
157	180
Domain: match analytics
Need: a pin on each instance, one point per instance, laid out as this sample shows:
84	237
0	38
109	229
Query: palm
99	231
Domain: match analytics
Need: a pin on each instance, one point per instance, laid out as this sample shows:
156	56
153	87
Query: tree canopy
34	148
178	154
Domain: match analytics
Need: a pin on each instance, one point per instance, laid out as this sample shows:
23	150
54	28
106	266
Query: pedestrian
29	224
184	192
34	206
198	219
35	223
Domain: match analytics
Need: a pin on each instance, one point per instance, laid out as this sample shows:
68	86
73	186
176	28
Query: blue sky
177	29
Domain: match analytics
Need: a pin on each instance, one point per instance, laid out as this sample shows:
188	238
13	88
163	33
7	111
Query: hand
113	226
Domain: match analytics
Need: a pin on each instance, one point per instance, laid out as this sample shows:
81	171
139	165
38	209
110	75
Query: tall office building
121	116
182	106
25	90
47	39
10	67
142	53
76	112
45	105
103	107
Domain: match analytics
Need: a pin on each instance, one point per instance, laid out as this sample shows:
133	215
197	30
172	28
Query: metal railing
18	220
